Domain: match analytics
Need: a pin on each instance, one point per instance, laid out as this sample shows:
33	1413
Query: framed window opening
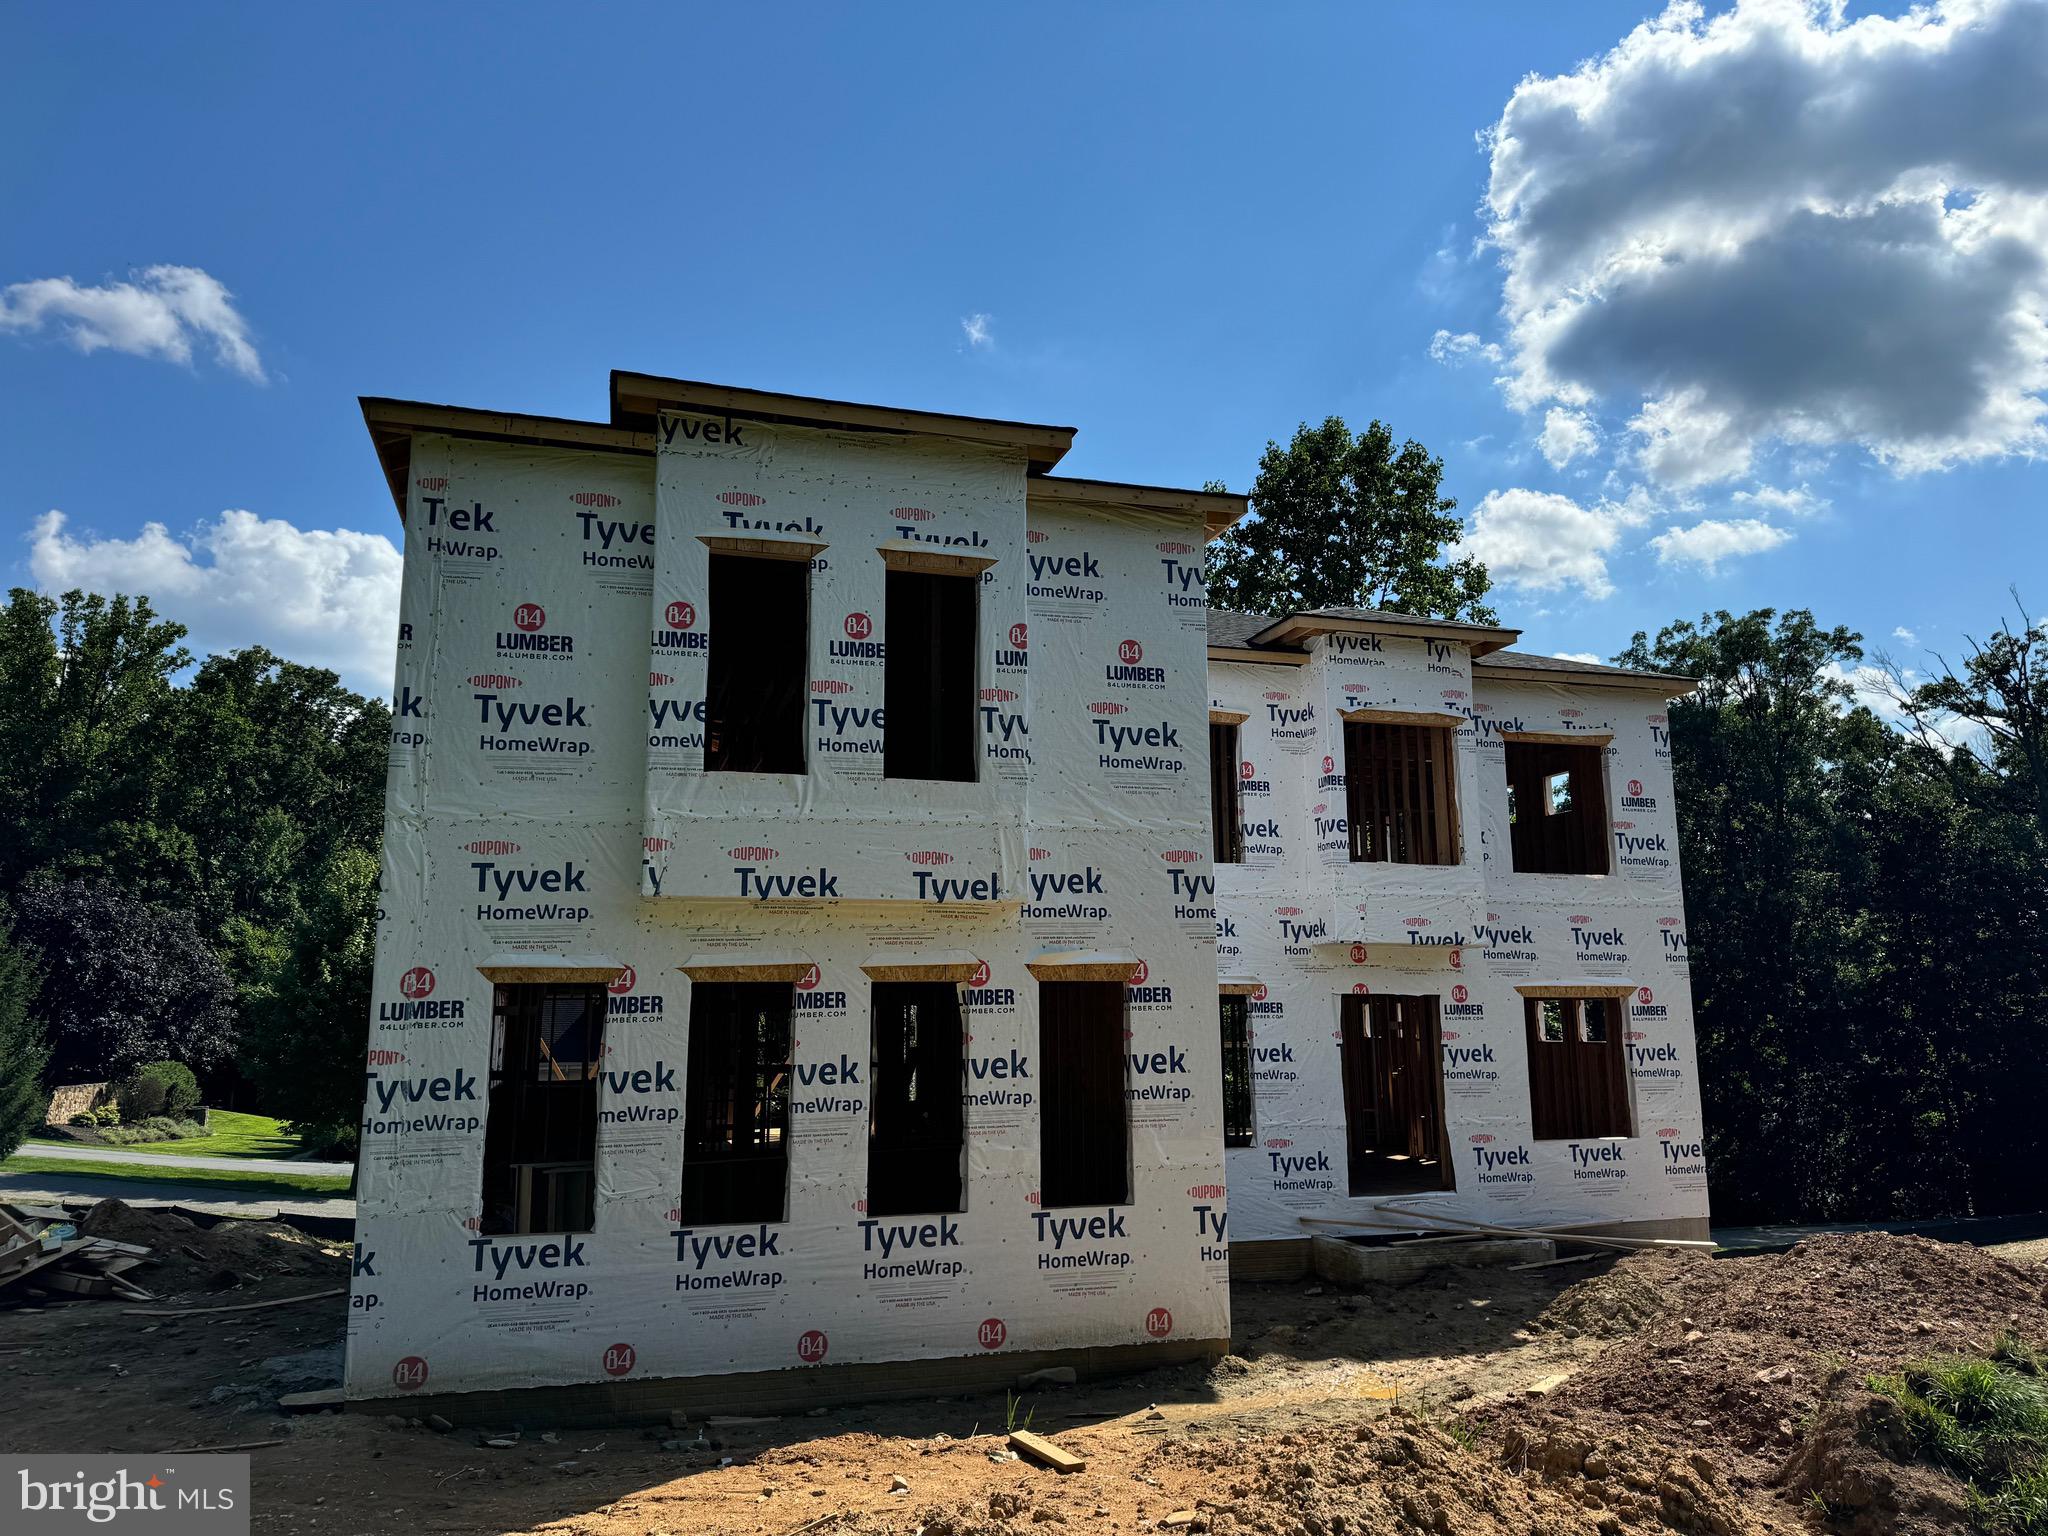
1084	1139
1396	1133
917	1125
928	701
1400	789
1238	1104
540	1129
1578	1069
759	657
736	1103
1226	802
1557	807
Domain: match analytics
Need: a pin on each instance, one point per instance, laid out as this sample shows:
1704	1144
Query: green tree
309	1029
24	1053
1344	521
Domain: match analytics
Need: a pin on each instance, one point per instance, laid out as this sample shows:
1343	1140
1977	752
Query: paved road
181	1160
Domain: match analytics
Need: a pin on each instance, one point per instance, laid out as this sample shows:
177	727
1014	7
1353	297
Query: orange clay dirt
1660	1393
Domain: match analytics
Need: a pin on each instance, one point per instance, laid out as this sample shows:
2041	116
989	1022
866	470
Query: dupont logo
1019	635
755	854
812	1346
410	1374
658	679
1159	1322
991	1333
1624	826
1287	911
1278	1142
1414	922
1205	1191
1453	694
681	615
1320	808
618	1360
1571	714
529	617
1659	719
498	681
998	695
1459	994
432	482
1041	853
742	499
416	983
859	626
1277	697
379	1057
1479	1139
831	685
1667	1133
1171	548
1667	922
809	981
1181	856
928	857
656	844
594	499
623	982
1580	918
490	845
1129	652
913	514
1103	707
1036	536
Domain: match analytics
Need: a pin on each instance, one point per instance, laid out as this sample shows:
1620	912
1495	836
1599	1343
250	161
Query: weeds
1012	1402
1985	1421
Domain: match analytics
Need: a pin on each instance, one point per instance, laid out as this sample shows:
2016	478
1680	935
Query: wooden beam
1043	1451
1560	738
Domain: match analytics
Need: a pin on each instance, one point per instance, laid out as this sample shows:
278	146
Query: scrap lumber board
1042	1450
247	1306
310	1402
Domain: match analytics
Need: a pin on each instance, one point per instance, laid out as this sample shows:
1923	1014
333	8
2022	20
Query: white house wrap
559	819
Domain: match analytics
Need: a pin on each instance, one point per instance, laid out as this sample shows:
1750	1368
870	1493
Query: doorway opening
1394	1096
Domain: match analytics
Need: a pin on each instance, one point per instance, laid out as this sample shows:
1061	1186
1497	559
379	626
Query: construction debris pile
45	1254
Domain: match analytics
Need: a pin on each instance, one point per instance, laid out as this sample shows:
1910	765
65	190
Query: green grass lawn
234	1135
287	1185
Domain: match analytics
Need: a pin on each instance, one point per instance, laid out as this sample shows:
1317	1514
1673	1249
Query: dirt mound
1618	1302
1858	1458
1392	1476
189	1257
1754	1366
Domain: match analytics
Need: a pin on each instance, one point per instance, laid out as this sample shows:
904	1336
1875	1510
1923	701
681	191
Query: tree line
188	860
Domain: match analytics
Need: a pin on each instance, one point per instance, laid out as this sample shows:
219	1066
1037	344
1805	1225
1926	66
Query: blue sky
1184	230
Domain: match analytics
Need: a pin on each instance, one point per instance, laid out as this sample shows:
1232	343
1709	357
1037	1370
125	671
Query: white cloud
1581	656
1566	435
1905	634
1710	541
1450	349
160	314
1874	688
1797	500
1781	225
977	328
324	597
1542	541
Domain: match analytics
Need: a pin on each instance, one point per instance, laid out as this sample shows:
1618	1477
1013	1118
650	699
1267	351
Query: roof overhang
639	398
1667	685
1297	627
1247	653
1218	510
393	423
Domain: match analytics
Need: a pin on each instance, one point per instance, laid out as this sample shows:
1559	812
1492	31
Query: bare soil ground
1656	1394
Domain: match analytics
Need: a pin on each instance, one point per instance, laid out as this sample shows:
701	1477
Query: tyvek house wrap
548	805
1309	927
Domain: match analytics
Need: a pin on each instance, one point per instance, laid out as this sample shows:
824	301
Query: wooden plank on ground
247	1306
1043	1451
310	1402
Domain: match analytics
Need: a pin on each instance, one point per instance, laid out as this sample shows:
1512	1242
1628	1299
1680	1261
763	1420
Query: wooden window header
514	970
742	967
1228	717
954	965
929	561
1577	988
1239	986
1436	719
1561	738
761	546
1083	965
